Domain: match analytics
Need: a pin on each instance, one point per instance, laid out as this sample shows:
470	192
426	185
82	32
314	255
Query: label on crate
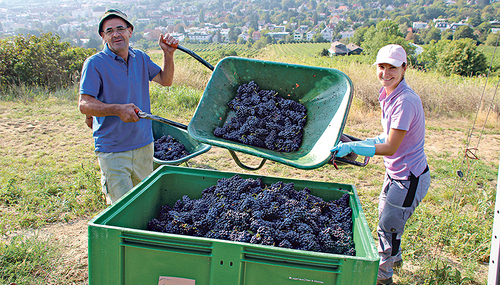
167	280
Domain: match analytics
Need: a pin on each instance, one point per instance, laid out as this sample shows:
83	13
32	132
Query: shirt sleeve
153	68
403	115
90	82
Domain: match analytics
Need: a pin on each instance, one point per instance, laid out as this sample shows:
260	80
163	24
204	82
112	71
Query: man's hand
168	43
89	120
127	113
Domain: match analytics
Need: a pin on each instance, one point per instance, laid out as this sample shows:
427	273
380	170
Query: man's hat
113	13
392	54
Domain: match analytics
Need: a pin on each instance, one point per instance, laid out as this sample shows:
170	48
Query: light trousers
121	171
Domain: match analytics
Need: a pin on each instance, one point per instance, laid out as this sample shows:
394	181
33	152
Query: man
114	85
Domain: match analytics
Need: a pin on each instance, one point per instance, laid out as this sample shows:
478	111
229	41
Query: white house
201	37
278	35
303	28
455	26
327	34
442	26
419	25
297	35
346	34
309	35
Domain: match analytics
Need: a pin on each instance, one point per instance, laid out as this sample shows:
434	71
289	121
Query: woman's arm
392	143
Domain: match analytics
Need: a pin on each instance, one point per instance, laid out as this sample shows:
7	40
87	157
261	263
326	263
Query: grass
28	260
49	173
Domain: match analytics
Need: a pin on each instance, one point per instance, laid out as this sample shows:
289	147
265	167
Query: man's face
117	35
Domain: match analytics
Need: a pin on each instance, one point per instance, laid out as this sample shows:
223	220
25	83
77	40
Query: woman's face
390	76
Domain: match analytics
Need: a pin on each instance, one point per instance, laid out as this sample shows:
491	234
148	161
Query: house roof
352	46
338	48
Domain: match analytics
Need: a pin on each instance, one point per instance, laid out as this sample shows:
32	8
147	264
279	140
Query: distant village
81	19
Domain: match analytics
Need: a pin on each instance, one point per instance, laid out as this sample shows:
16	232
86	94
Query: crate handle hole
231	263
221	262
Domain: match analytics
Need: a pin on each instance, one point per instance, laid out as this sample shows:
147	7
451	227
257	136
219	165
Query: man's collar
107	51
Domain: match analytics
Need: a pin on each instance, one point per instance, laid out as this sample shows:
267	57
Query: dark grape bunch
264	119
167	148
247	210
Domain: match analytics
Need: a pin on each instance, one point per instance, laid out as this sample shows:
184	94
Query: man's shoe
397	264
385	282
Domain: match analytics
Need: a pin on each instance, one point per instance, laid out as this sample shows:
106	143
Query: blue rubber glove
378	139
364	148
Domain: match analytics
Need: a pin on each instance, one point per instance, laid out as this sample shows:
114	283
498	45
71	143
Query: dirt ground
443	136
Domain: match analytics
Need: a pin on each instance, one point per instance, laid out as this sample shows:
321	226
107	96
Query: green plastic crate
123	251
194	147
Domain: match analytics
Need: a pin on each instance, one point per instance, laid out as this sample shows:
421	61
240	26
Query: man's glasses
119	30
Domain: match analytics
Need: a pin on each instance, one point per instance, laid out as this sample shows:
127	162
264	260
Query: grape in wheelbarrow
167	148
264	119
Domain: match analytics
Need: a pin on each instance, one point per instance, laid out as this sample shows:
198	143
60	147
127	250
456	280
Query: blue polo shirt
110	79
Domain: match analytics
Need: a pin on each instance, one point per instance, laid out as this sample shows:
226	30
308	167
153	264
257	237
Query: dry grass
452	224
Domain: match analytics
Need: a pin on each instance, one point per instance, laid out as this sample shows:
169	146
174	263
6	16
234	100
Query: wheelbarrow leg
240	164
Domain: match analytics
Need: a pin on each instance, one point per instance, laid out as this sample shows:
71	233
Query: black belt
425	170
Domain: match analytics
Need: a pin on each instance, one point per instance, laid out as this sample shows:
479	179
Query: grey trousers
397	202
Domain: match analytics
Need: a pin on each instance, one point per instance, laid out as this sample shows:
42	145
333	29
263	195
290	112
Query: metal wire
469	154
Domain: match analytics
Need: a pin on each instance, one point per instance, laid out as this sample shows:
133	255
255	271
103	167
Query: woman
407	177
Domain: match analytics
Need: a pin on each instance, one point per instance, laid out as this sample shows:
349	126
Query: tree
475	18
488	13
318	38
313	4
434	34
464	32
241	41
410	36
93	43
492	39
482	31
359	36
459	57
386	32
286	4
447	35
202	15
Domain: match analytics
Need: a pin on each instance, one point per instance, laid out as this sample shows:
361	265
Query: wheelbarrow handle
347	161
145	115
342	160
191	53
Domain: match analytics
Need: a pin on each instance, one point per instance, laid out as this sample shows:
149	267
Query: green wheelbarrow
325	92
194	147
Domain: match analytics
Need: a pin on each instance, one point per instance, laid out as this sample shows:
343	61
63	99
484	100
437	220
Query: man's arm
90	106
166	75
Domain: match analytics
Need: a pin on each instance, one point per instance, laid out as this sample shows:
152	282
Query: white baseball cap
392	54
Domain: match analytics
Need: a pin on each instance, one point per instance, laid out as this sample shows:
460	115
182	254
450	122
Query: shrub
460	57
42	61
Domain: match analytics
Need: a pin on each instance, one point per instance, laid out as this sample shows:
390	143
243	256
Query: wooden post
493	274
